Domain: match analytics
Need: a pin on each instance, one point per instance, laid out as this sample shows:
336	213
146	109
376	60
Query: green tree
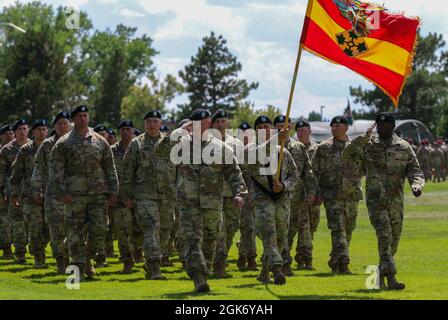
141	100
425	94
314	116
211	78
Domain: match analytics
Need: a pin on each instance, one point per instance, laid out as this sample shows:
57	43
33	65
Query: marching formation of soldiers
433	159
80	189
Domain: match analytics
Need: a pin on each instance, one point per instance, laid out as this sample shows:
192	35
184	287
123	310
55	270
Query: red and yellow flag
365	38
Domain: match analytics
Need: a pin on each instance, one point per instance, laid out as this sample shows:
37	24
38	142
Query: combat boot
334	267
382	282
343	268
61	264
287	271
138	256
279	277
264	276
7	253
153	271
39	260
300	262
89	270
252	264
308	264
241	263
166	262
127	266
200	282
393	284
20	258
220	268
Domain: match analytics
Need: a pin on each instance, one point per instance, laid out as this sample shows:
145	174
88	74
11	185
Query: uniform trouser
5	226
341	220
175	237
231	224
19	228
54	216
247	245
110	231
137	233
199	229
155	218
388	223
304	220
38	231
85	217
438	173
122	217
271	225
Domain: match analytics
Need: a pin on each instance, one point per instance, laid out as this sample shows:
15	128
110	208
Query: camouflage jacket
82	166
307	182
235	145
22	169
338	178
201	185
261	183
387	164
39	178
8	154
311	149
437	157
147	170
423	156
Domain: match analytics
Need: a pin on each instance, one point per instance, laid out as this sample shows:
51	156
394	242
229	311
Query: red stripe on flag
318	41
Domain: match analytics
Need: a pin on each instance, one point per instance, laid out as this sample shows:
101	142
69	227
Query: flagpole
291	95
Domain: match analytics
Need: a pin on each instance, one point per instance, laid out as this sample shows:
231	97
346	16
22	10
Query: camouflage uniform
445	150
12	219
121	214
388	164
340	186
438	160
272	213
231	215
247	244
22	170
83	168
149	181
54	208
200	197
307	185
424	159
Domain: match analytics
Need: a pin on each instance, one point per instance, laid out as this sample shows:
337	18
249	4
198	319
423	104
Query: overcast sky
263	34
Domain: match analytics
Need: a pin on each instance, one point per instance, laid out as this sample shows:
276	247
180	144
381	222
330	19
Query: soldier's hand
66	199
188	126
278	186
283	136
417	192
128	204
113	199
370	130
238	202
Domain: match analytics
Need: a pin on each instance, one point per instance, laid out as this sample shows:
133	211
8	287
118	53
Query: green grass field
422	264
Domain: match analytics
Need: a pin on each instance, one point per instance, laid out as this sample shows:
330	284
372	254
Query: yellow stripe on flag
382	53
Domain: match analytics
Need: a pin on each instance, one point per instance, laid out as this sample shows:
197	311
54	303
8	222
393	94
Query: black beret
111	132
245	126
339	120
385	117
81	108
199	114
165	129
6	128
100	128
137	132
39	123
182	122
280	119
219	114
61	115
261	120
125	123
302	123
153	114
19	123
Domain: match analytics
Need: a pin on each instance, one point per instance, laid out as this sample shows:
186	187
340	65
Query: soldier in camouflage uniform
44	193
340	187
424	159
271	198
83	174
22	195
389	160
230	214
305	191
6	135
309	212
200	194
247	248
122	215
148	184
445	150
14	226
437	156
